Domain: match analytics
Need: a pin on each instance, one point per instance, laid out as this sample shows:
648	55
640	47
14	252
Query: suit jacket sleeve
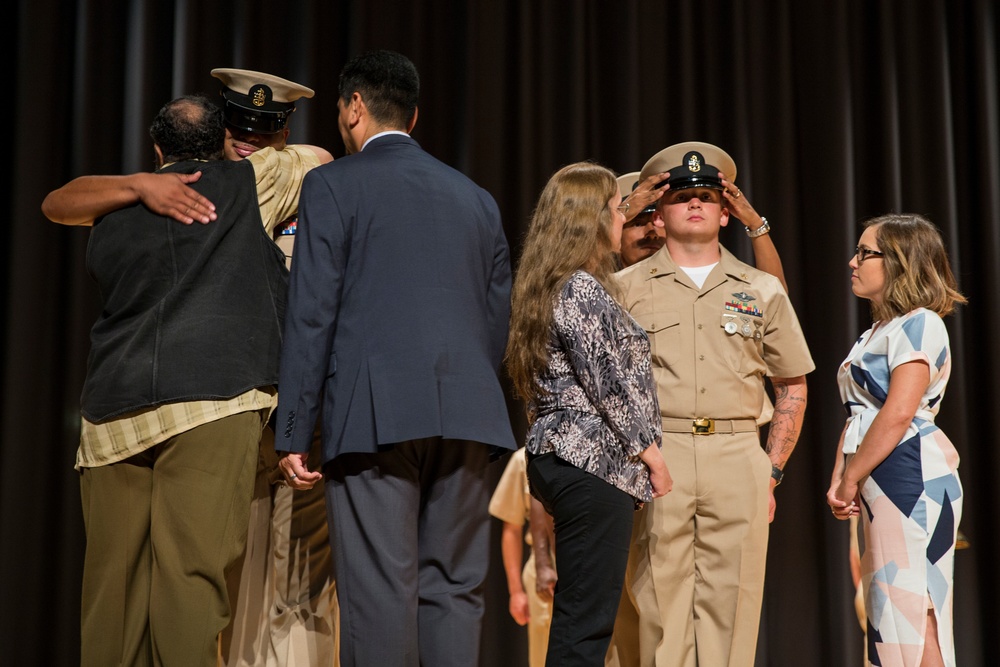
314	294
499	294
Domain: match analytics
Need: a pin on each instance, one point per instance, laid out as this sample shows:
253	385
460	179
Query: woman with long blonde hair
582	365
894	468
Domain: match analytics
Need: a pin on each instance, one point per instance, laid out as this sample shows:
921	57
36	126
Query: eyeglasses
623	208
864	253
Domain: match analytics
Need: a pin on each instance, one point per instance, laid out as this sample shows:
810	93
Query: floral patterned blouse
600	410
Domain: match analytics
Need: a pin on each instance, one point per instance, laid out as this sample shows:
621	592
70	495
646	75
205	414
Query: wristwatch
760	231
777	474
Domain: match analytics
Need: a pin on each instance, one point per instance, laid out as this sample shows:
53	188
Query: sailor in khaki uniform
286	606
717	327
511	503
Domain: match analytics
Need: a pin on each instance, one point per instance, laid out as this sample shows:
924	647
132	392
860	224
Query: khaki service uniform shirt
511	500
712	347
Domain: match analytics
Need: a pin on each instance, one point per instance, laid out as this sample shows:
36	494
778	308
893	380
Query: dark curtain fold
834	110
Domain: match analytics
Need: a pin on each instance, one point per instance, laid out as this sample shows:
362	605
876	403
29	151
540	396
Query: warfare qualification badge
741	304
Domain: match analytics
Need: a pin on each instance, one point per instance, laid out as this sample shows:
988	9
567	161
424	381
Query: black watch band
777	474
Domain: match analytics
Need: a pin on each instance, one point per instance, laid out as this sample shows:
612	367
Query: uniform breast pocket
664	331
745	339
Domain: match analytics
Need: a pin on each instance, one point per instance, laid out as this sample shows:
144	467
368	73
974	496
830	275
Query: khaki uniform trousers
695	581
284	592
541	616
164	528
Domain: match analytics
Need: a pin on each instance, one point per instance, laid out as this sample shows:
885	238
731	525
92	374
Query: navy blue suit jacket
398	306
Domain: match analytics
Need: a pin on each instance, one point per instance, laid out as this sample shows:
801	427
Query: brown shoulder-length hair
917	272
570	229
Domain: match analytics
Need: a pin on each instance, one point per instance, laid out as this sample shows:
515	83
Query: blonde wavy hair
570	229
917	271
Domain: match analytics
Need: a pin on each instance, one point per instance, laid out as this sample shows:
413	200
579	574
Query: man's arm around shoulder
84	199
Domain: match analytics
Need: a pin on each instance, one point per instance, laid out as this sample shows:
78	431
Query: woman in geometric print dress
895	468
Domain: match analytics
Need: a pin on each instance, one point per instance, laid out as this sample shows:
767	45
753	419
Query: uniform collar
661	263
733	267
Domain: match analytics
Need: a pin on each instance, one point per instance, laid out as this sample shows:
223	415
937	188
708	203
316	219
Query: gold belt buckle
703	426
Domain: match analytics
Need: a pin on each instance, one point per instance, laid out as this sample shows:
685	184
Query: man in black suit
396	326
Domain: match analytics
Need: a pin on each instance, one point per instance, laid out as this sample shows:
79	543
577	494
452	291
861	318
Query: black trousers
593	526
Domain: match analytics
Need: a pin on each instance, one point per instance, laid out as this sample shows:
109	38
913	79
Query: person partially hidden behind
644	234
180	381
286	601
512	504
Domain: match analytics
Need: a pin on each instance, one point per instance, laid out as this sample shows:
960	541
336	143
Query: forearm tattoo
789	409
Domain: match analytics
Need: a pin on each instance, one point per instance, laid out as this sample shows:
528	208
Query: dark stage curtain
834	110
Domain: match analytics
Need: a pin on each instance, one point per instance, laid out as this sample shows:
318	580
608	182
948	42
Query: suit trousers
409	530
696	570
163	529
592	521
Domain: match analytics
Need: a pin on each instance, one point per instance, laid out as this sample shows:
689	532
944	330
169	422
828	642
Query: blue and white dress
912	501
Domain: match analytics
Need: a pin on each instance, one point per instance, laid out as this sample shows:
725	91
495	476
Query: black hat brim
260	122
694	182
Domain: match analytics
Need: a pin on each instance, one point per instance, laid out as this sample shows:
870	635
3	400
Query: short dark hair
189	128
388	83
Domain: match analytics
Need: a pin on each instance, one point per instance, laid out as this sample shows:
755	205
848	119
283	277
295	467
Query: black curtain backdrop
834	110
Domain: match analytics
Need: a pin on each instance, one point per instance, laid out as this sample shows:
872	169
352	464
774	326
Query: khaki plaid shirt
134	432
